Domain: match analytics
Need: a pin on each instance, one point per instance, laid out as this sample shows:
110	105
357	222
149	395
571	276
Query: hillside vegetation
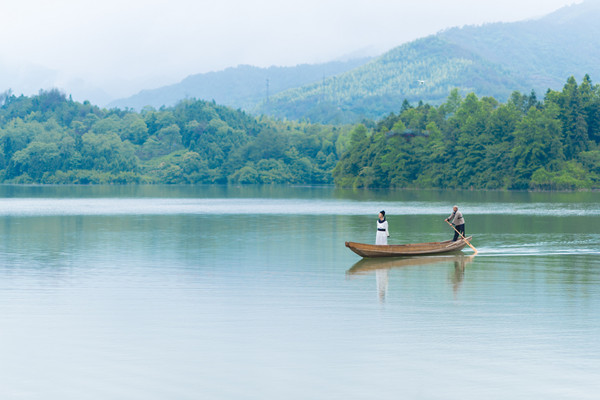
51	139
465	142
377	88
480	143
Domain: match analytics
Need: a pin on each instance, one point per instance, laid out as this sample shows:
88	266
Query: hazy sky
125	45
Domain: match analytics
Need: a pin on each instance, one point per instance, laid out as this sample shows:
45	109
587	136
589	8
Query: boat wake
532	250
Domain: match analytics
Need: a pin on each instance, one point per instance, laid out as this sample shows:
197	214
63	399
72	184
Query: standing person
458	221
382	229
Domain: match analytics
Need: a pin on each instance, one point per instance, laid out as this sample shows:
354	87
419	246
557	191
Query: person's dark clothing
460	228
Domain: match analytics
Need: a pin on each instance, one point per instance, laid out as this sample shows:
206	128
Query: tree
170	137
537	144
35	160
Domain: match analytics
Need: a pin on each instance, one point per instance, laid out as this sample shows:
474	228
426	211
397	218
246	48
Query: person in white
382	229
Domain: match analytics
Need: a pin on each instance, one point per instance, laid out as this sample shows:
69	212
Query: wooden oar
461	235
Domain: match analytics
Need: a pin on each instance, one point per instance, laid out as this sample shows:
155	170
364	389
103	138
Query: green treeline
470	142
476	142
51	139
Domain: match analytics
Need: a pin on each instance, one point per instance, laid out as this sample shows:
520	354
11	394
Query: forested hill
480	143
489	60
377	88
465	142
240	87
51	139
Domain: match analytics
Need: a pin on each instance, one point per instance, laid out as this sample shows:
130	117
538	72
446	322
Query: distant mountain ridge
425	69
545	51
489	60
242	87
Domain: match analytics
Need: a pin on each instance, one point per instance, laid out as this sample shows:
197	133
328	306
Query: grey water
215	292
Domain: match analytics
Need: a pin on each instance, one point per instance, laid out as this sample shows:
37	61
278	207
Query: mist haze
105	50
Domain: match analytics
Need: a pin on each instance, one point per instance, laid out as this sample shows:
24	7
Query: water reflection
381	267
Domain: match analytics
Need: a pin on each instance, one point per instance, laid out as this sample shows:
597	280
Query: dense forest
50	138
466	142
471	142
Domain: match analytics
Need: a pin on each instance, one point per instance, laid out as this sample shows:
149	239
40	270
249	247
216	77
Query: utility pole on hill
267	91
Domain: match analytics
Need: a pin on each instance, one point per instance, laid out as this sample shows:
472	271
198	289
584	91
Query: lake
214	292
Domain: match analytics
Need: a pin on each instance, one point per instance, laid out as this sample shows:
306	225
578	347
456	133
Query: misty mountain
240	87
489	60
543	52
379	87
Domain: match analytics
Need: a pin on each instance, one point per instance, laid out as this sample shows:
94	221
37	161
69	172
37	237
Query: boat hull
413	249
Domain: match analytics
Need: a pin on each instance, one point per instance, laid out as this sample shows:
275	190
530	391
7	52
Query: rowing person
458	221
382	229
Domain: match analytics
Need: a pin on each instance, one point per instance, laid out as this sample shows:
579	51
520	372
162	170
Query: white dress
382	235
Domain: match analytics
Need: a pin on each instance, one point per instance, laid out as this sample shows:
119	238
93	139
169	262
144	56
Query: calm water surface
249	293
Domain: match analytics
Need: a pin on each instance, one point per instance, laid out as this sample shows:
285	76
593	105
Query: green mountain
379	87
489	60
240	87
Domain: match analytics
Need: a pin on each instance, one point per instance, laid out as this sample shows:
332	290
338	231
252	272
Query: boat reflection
381	267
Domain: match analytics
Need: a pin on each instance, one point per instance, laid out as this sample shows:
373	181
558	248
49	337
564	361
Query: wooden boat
413	249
